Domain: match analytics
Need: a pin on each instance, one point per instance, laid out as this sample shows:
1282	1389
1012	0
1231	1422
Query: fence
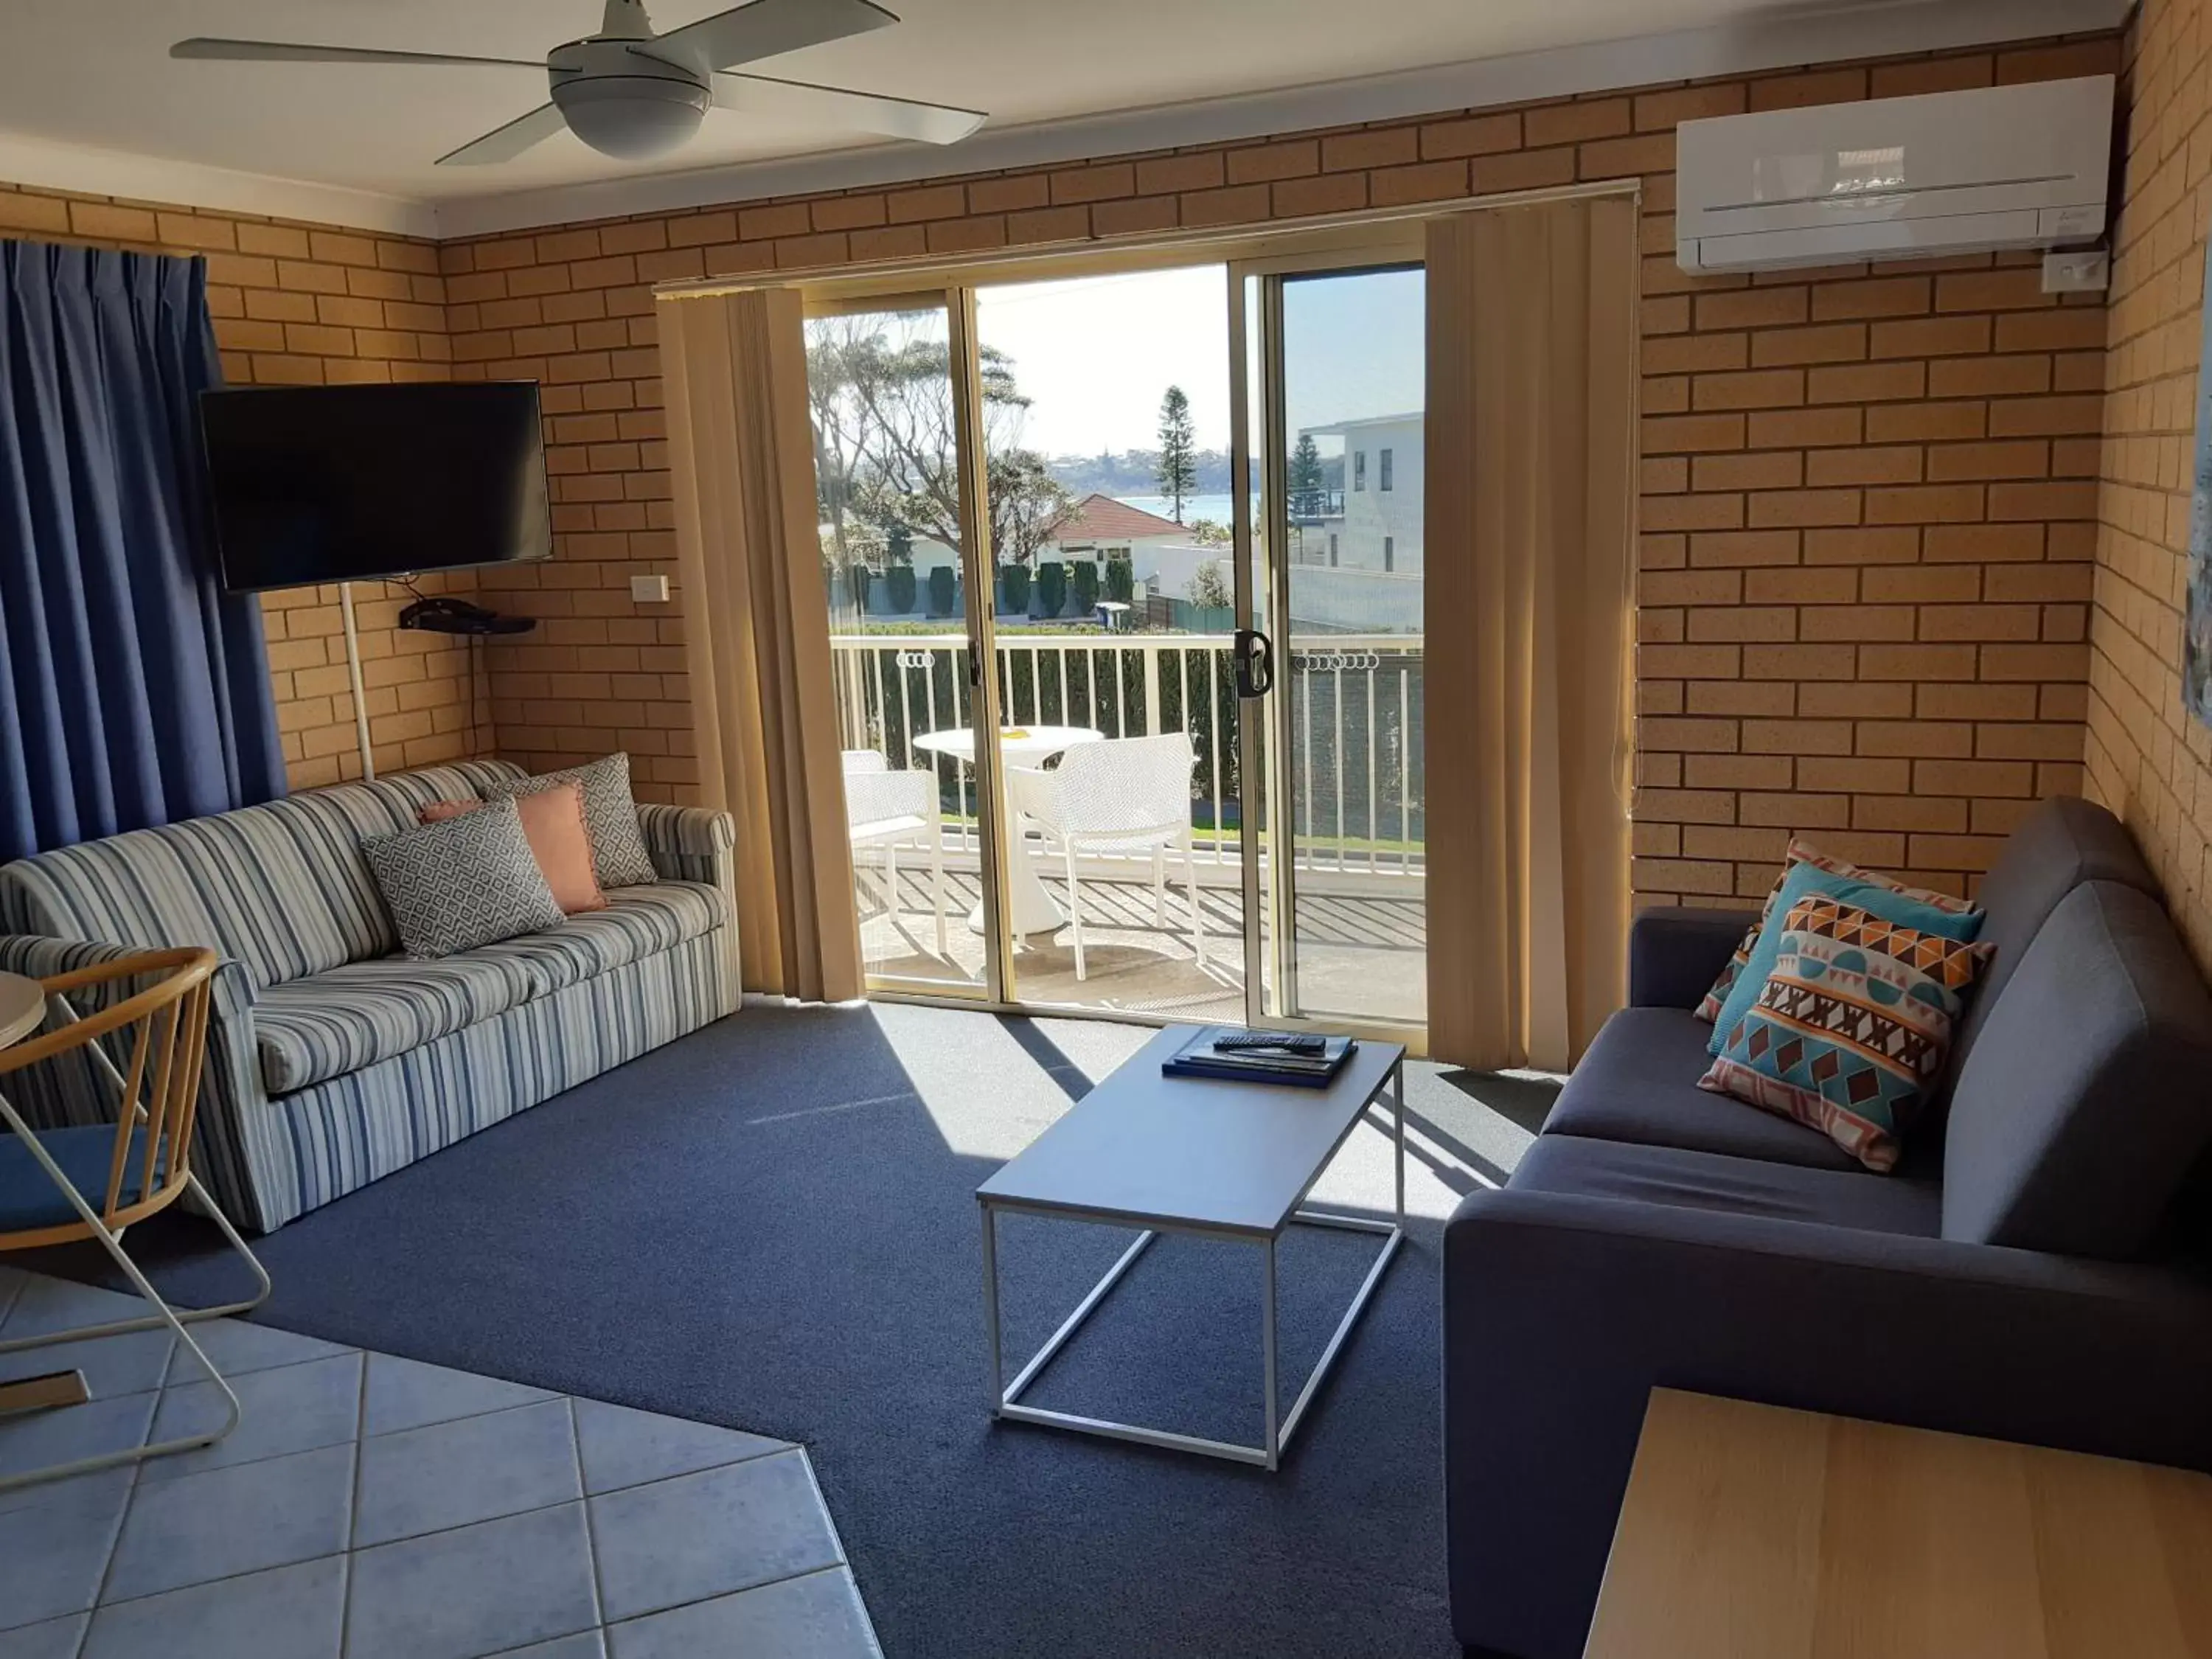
1356	713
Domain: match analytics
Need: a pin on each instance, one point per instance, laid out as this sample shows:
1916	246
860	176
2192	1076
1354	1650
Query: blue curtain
136	691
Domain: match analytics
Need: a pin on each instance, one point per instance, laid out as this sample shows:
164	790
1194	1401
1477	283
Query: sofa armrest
1562	1312
690	843
1675	953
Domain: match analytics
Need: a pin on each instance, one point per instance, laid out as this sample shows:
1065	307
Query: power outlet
648	590
2087	271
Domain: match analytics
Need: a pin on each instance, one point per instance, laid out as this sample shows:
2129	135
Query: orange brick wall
307	304
1868	497
2148	758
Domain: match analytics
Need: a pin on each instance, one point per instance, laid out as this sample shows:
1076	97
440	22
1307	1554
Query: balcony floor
1363	945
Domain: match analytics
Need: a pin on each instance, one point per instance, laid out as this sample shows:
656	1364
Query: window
1389	545
1332	552
1382	468
1360	469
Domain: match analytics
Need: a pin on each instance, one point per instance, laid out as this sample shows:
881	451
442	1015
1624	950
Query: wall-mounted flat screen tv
353	483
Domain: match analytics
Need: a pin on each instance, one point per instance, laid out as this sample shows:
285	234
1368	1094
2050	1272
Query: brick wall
2148	758
305	304
1868	497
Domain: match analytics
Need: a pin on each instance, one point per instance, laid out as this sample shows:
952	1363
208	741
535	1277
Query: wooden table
1750	1532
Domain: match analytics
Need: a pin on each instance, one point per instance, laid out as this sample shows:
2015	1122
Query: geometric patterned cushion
618	852
1803	852
1852	1027
466	882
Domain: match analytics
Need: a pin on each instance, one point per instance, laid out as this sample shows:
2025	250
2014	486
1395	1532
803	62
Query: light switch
649	590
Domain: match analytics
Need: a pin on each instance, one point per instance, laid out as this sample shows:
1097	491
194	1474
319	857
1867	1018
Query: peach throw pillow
553	824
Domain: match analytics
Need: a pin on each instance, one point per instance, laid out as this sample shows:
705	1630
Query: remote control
1288	1043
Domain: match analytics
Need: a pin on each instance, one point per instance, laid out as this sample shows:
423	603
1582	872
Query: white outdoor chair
891	810
1123	796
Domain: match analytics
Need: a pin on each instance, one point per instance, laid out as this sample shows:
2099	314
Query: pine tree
1305	466
1178	463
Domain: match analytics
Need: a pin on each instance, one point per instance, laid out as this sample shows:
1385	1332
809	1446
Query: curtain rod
947	269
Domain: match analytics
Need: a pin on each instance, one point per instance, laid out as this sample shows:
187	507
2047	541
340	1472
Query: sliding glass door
1125	582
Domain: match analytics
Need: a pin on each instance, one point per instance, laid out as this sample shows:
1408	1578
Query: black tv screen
348	484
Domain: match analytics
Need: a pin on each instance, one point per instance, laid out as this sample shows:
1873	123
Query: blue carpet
771	1225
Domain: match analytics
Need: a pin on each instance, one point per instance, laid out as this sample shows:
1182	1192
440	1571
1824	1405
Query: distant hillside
1134	472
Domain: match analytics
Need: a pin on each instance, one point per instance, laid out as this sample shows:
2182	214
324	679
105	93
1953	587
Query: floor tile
112	1365
405	1394
816	1617
474	1590
622	1448
237	1346
450	1474
52	1554
54	1639
33	1440
289	1409
711	1533
44	1304
584	1644
286	1612
210	1525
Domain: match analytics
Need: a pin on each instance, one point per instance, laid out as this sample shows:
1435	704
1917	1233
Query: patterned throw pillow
1851	1026
1802	870
469	881
560	840
618	852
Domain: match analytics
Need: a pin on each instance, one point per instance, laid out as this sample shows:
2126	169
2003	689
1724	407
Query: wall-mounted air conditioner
1896	178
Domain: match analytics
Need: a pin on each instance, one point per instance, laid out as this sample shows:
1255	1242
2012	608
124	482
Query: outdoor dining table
1031	908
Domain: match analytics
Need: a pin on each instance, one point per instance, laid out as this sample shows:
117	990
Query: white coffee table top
1191	1152
22	1006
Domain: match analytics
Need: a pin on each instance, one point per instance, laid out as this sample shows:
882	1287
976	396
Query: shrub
1052	590
1086	588
940	591
900	579
1120	580
856	577
1014	586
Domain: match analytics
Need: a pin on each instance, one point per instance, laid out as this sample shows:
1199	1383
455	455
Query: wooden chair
60	1186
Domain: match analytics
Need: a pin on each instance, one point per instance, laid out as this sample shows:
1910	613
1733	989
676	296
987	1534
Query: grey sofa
2033	1272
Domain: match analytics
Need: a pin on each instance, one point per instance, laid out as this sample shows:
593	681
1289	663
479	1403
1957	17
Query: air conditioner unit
1896	178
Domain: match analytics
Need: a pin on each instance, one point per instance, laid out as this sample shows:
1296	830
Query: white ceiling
96	74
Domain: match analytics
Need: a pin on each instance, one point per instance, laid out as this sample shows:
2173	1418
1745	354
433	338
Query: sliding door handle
1256	663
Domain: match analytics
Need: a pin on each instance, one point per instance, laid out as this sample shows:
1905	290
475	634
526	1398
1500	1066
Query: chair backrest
1124	785
162	1032
861	762
2079	1116
281	888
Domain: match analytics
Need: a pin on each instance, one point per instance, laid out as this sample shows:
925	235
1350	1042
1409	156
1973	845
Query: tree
1027	504
1208	588
1305	475
1178	464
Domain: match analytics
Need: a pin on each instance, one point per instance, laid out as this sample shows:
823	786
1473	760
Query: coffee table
1209	1158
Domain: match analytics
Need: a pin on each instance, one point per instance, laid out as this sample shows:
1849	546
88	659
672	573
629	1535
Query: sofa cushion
2063	842
1852	1028
2081	1114
335	1023
638	921
618	854
1735	1185
1638	1082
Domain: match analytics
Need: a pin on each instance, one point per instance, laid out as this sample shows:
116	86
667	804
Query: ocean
1215	507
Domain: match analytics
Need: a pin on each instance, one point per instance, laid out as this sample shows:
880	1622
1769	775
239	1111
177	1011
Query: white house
1376	523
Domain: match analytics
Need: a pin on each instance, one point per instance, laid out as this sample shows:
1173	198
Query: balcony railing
1314	506
1355	776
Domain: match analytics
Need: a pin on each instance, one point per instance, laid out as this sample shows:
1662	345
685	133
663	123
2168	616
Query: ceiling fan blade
283	52
862	112
764	28
505	144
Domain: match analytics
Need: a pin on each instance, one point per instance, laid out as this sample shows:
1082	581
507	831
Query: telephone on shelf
443	615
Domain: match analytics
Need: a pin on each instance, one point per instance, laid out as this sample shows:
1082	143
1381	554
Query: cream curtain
756	631
1530	447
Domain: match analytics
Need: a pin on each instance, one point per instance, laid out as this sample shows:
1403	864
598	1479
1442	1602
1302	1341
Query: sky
1096	354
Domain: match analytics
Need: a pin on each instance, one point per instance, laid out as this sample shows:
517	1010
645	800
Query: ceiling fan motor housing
625	100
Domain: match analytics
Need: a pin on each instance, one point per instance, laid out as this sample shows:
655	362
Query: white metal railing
1356	714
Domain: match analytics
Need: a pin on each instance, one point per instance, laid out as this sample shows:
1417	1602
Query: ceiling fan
631	93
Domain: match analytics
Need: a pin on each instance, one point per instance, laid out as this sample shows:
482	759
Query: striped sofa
331	1061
